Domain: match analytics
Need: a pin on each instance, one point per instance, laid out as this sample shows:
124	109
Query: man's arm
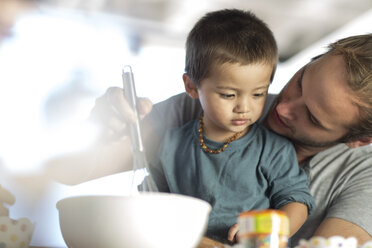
342	186
112	152
99	160
336	226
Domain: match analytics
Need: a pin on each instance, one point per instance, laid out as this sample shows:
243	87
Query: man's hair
357	54
228	36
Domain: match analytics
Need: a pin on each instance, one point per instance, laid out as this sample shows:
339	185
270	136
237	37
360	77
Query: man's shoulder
343	156
177	103
176	110
343	150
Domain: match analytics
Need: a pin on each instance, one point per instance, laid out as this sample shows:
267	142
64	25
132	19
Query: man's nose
288	109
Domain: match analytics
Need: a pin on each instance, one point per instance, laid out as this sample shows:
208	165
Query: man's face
316	107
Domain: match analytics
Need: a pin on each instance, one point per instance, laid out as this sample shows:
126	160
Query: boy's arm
297	214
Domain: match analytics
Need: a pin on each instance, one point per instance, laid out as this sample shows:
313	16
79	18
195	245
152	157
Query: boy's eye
259	94
227	95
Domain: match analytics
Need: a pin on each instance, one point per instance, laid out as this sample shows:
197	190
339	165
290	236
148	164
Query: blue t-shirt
257	171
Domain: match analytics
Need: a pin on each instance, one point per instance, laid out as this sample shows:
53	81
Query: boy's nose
243	106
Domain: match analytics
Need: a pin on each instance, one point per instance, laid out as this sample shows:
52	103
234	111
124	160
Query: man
325	110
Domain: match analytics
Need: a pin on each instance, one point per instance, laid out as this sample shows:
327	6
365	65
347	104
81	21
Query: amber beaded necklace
204	146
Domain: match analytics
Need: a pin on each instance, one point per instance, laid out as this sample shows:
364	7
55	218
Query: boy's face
232	97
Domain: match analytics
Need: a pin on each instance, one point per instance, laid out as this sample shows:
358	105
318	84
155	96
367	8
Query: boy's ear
360	142
190	87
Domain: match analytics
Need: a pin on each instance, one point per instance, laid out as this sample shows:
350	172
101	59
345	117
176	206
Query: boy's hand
232	234
112	112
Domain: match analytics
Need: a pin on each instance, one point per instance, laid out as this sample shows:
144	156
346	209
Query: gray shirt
341	183
340	177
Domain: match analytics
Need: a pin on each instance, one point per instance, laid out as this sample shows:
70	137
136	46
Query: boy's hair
228	36
357	54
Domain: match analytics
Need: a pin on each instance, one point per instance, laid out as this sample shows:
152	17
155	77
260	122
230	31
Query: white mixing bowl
153	220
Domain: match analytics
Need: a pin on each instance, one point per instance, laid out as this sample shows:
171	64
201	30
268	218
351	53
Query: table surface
205	243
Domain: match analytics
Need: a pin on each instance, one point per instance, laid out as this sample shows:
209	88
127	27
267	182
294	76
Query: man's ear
190	86
360	142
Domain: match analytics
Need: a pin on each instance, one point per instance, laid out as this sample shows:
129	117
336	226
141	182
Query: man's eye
299	81
313	120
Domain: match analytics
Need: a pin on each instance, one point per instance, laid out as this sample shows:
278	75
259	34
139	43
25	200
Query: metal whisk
139	156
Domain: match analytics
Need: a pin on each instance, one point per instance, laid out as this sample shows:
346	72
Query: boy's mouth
240	122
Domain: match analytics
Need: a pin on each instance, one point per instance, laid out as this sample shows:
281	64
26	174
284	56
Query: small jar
263	229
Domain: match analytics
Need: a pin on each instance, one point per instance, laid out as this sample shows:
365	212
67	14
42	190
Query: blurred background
63	54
